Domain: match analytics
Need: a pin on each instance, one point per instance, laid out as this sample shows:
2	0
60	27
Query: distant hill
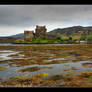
21	35
72	30
7	39
65	31
10	39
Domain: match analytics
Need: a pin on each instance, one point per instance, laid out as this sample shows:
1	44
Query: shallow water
4	54
61	68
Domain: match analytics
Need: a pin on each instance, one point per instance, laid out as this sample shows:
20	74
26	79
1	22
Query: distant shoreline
33	44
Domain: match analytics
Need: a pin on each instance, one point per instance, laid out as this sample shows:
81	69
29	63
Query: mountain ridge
66	31
70	30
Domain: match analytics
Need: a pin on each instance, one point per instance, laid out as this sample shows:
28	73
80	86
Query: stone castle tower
28	35
40	31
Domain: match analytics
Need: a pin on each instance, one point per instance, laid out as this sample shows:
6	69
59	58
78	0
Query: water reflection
42	59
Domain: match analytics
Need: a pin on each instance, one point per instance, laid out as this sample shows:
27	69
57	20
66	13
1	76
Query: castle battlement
40	27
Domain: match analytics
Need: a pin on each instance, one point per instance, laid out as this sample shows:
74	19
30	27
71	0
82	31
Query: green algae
2	69
33	69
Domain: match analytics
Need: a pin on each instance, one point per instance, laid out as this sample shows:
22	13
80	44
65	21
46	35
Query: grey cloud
21	16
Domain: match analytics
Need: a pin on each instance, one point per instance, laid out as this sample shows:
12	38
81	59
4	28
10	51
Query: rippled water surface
51	61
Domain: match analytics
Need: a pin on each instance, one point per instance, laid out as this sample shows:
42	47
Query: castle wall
51	37
28	35
40	31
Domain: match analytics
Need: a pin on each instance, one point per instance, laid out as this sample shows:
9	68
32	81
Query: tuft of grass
1	58
18	77
2	69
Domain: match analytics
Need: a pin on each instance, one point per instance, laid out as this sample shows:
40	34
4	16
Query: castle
28	35
40	32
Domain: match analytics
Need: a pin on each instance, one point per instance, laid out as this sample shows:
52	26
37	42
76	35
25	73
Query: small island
41	36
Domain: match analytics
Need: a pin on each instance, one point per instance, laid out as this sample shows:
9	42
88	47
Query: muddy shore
59	65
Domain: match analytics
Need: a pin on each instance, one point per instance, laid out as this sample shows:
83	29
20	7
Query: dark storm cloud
23	16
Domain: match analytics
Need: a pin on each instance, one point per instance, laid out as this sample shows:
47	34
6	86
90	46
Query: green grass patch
2	69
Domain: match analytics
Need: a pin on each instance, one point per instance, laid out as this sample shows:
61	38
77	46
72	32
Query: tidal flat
46	65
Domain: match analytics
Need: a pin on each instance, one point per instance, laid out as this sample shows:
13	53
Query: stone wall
40	31
28	35
51	37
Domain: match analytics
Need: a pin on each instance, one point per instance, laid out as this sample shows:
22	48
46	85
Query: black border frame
45	2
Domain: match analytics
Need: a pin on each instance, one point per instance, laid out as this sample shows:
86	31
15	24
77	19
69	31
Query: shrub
70	38
19	41
84	37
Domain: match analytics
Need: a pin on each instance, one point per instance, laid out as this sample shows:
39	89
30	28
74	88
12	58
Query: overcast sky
15	19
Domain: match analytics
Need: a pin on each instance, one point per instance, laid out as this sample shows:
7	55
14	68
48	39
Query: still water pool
61	61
